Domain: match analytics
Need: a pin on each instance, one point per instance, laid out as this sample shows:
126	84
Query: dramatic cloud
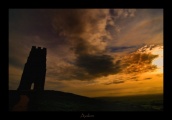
84	28
138	62
91	52
86	33
86	67
98	65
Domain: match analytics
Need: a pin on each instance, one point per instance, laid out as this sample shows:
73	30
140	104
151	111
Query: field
135	103
61	101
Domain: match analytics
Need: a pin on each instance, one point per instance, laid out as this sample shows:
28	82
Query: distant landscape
60	101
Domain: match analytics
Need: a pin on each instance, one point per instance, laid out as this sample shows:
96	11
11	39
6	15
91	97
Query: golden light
159	60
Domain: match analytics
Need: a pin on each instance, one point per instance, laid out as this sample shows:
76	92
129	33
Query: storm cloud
90	52
138	62
98	65
84	29
87	33
87	36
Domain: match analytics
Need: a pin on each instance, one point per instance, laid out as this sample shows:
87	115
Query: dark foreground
61	101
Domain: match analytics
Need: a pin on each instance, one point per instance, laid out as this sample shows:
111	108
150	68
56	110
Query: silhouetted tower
35	70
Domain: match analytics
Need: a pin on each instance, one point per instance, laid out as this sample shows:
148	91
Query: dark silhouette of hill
60	101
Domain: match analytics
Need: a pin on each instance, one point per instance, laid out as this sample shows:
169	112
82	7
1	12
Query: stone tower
34	70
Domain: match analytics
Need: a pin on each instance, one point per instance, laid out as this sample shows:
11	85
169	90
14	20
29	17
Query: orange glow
159	60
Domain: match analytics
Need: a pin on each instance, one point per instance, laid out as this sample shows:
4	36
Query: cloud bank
85	45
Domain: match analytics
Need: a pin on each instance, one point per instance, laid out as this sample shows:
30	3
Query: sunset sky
91	52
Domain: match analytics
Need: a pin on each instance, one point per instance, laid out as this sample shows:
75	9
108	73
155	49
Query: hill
60	101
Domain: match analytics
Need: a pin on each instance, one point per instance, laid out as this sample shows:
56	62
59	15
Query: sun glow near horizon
159	60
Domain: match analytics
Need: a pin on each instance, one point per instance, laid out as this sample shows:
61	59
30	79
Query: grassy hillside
61	101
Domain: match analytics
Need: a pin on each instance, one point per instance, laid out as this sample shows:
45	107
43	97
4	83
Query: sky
91	52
